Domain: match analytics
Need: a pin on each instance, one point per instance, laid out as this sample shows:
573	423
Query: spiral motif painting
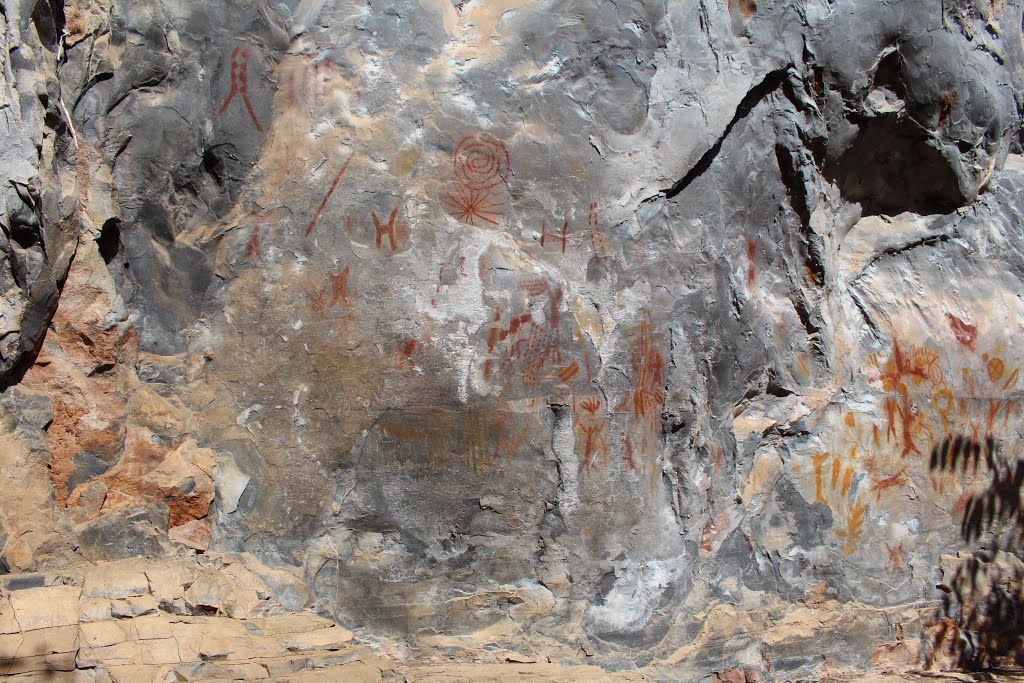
481	162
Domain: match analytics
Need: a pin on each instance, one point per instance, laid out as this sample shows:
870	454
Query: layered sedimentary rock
622	333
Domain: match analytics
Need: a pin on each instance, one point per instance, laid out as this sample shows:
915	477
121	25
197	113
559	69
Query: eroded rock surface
627	334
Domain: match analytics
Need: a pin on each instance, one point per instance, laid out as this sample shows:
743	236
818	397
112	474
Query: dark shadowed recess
893	163
891	166
48	17
109	240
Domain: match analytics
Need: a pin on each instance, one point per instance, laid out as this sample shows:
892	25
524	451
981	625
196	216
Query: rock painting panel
240	85
477	195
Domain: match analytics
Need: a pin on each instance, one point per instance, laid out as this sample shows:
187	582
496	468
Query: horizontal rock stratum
673	339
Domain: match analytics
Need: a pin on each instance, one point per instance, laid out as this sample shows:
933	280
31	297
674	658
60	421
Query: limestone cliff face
627	332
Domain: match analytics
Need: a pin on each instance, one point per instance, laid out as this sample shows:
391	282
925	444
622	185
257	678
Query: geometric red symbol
570	371
481	162
240	84
469	205
544	234
597	240
388	229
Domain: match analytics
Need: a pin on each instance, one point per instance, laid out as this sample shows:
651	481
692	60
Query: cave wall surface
636	333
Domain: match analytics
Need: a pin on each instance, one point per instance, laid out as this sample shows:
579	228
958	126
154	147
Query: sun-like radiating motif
473	207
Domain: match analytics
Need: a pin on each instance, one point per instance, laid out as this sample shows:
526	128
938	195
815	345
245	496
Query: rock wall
641	334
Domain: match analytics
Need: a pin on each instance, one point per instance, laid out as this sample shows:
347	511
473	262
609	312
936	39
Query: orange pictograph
905	371
954	403
643	403
590	427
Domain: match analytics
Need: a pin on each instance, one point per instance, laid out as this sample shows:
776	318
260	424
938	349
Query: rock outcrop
640	335
170	619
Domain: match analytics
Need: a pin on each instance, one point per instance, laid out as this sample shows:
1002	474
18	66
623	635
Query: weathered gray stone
123	533
632	333
39	227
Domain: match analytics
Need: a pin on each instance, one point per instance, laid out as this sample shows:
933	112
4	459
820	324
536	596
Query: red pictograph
481	162
555	299
589	426
534	286
880	485
306	80
385	228
534	353
498	333
333	292
253	247
545	234
541	344
339	286
569	372
646	362
405	351
597	240
964	332
480	167
644	400
751	262
473	207
240	84
897	558
437	289
319	209
533	345
591	433
320	71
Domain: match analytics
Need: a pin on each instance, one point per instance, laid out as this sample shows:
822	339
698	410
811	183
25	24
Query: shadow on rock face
982	618
892	166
